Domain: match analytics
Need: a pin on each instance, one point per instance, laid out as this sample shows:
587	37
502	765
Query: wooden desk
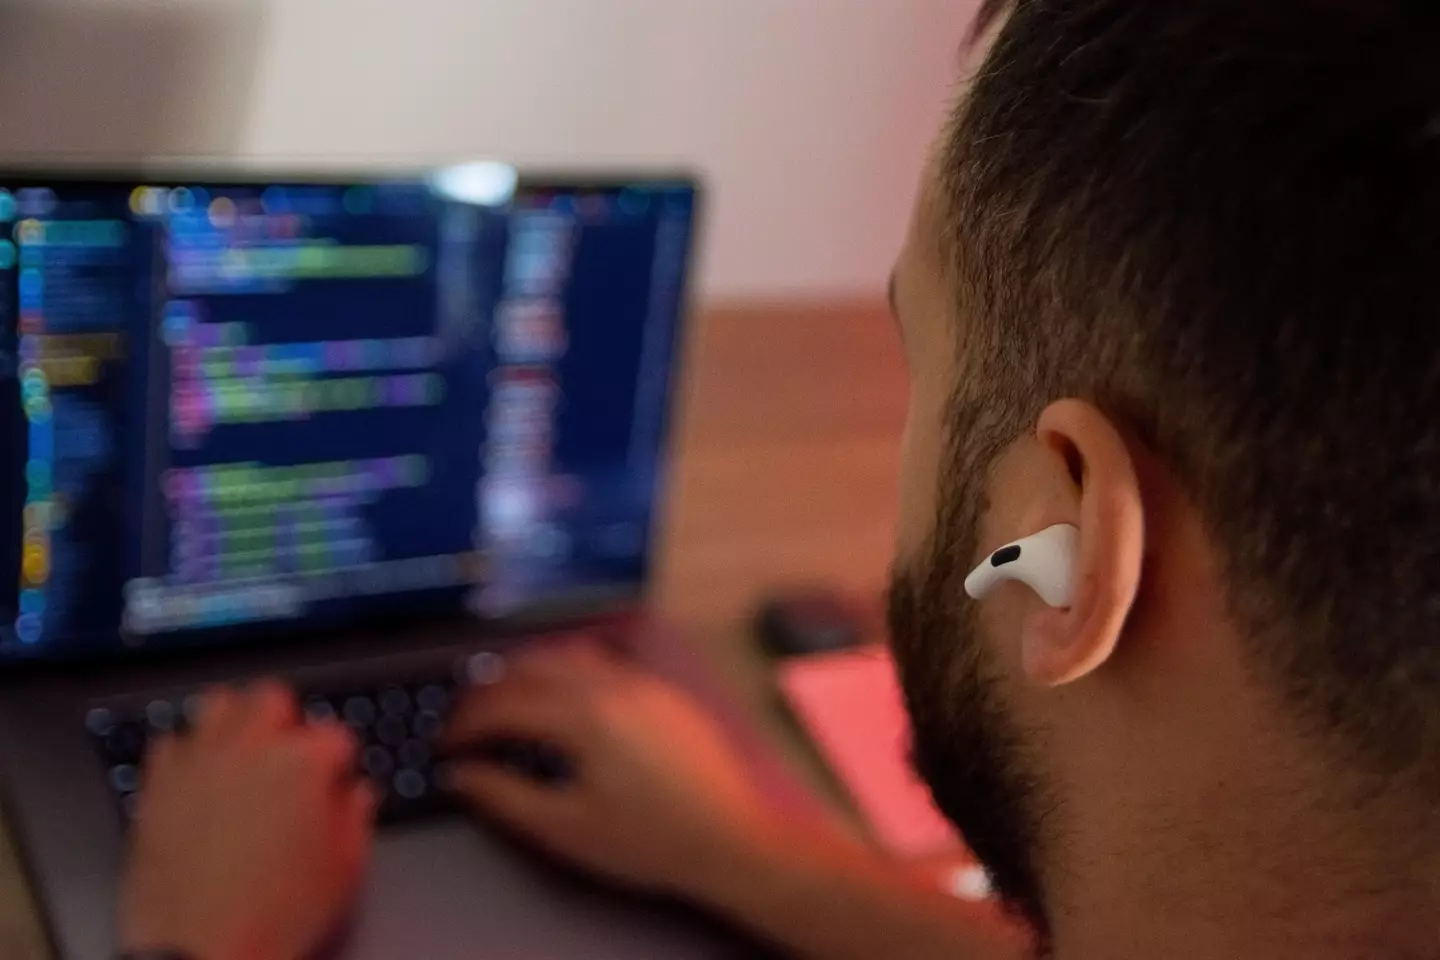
786	475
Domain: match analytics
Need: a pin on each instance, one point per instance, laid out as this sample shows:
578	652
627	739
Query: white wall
809	118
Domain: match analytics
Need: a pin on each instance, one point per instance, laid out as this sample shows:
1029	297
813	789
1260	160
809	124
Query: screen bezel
550	612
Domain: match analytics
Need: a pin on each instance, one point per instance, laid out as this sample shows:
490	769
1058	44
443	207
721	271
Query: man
1171	280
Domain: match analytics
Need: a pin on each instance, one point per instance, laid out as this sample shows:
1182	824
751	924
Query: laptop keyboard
396	724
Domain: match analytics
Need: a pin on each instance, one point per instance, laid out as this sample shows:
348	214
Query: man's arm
252	835
825	898
660	803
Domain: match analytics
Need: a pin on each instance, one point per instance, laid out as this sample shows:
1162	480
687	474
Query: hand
658	801
252	834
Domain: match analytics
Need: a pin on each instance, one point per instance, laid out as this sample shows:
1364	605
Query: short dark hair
1220	221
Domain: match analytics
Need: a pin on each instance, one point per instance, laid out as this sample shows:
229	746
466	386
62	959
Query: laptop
368	434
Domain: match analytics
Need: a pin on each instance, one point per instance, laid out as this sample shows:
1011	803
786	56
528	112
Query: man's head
1174	277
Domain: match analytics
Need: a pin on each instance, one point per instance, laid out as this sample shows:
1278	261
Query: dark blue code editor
252	404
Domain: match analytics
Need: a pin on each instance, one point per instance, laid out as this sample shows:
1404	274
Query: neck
1229	872
1211	834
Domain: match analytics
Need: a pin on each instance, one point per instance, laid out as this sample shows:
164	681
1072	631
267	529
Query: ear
1061	646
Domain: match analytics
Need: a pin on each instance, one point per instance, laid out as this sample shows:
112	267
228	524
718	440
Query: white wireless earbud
1044	562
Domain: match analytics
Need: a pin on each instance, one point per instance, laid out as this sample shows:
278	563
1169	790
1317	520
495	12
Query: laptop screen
236	406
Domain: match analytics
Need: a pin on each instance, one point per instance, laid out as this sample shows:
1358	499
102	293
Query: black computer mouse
799	623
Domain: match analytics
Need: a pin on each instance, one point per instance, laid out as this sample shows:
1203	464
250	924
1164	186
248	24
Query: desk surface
786	476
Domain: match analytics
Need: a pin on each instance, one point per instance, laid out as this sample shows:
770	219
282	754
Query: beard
966	746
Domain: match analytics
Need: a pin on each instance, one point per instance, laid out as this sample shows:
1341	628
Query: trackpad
448	890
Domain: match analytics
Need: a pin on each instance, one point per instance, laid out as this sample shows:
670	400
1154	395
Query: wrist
761	869
735	866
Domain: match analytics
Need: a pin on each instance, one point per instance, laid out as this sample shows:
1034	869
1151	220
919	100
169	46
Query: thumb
515	708
511	798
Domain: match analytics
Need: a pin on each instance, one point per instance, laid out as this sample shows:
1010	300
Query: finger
366	801
510	798
569	661
514	708
357	822
329	747
161	755
466	697
219	707
267	709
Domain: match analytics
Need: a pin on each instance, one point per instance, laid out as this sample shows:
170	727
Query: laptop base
441	889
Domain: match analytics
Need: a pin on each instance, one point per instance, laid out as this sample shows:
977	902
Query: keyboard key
392	731
484	668
433	698
191	707
427	725
395	701
410	784
319	710
378	763
99	721
161	715
125	778
414	754
359	711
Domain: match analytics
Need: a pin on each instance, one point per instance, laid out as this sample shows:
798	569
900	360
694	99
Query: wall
809	118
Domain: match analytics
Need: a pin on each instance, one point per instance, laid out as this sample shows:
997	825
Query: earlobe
1061	646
